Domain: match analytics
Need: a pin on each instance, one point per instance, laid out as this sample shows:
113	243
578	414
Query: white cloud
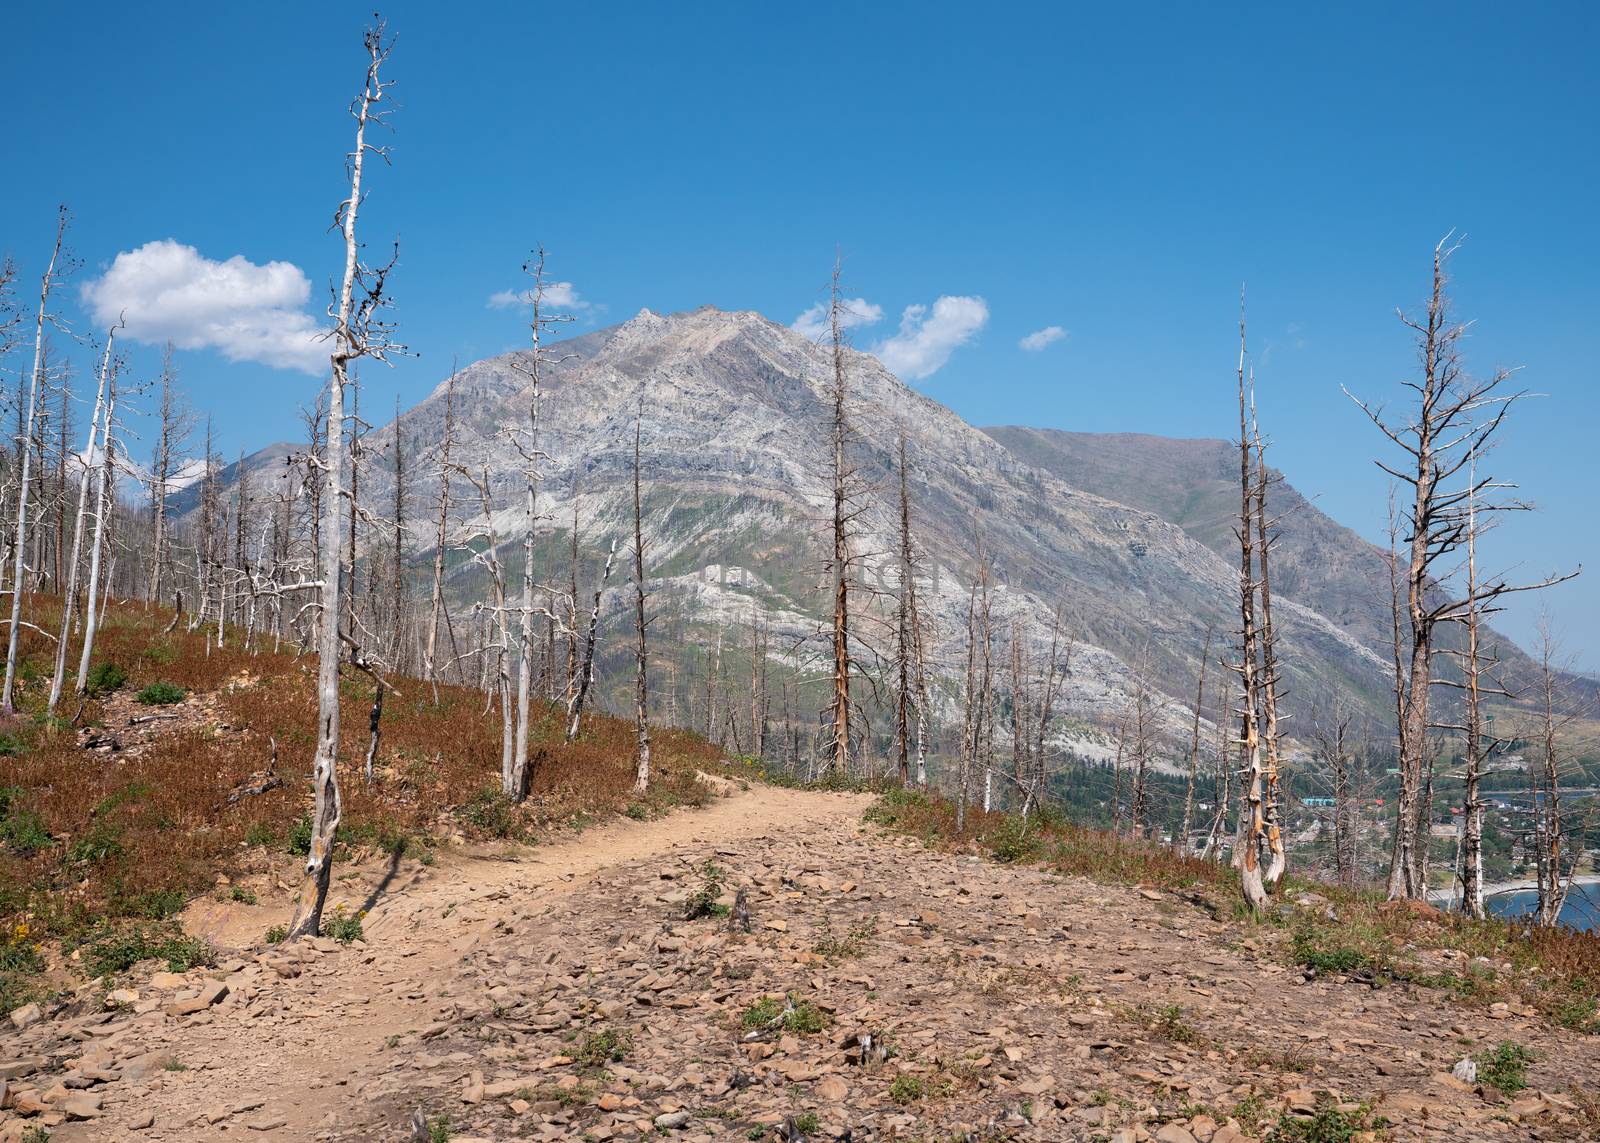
557	295
853	312
928	337
1040	338
168	291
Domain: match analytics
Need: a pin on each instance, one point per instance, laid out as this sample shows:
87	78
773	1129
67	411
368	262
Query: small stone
210	994
80	1106
26	1015
672	1120
833	1089
143	1121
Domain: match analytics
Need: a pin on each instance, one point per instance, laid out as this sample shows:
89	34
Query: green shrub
491	813
342	925
20	957
1013	843
853	943
788	1014
1326	1124
702	901
117	952
161	694
1309	951
19	963
277	934
906	1088
21	831
160	653
132	792
300	836
242	895
604	1047
157	904
1505	1066
12	746
261	835
103	841
105	678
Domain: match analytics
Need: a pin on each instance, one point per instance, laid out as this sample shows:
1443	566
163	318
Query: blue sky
1114	171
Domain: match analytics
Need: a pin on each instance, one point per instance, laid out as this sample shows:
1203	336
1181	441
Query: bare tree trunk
429	657
1472	903
70	593
1181	842
1252	818
906	698
356	334
520	776
641	781
1454	425
839	751
1277	860
586	672
20	542
102	512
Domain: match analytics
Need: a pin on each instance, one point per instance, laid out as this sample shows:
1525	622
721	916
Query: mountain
1194	484
1126	536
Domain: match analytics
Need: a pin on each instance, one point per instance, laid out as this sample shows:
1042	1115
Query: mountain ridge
737	475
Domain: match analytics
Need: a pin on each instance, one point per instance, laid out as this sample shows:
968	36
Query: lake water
1582	910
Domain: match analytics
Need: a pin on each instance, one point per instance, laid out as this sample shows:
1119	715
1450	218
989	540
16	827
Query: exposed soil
1014	1004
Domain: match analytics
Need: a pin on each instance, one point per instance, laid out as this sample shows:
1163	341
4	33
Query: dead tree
526	442
979	689
1057	669
586	668
397	583
499	612
437	599
1143	716
908	697
641	781
103	506
70	591
1473	666
55	269
1181	842
1330	738
1269	678
172	436
359	331
841	554
1252	831
1554	869
1448	432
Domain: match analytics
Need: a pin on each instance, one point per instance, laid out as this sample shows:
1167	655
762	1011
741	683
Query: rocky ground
883	991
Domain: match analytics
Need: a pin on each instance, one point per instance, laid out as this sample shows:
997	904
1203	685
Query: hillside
564	992
578	966
1195	484
737	487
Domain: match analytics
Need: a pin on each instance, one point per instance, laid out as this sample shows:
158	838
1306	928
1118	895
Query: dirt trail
559	993
289	1050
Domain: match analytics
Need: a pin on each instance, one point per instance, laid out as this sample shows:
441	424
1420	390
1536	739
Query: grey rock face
735	457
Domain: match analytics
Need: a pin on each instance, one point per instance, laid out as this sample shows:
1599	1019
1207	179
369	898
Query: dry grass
1555	971
132	834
